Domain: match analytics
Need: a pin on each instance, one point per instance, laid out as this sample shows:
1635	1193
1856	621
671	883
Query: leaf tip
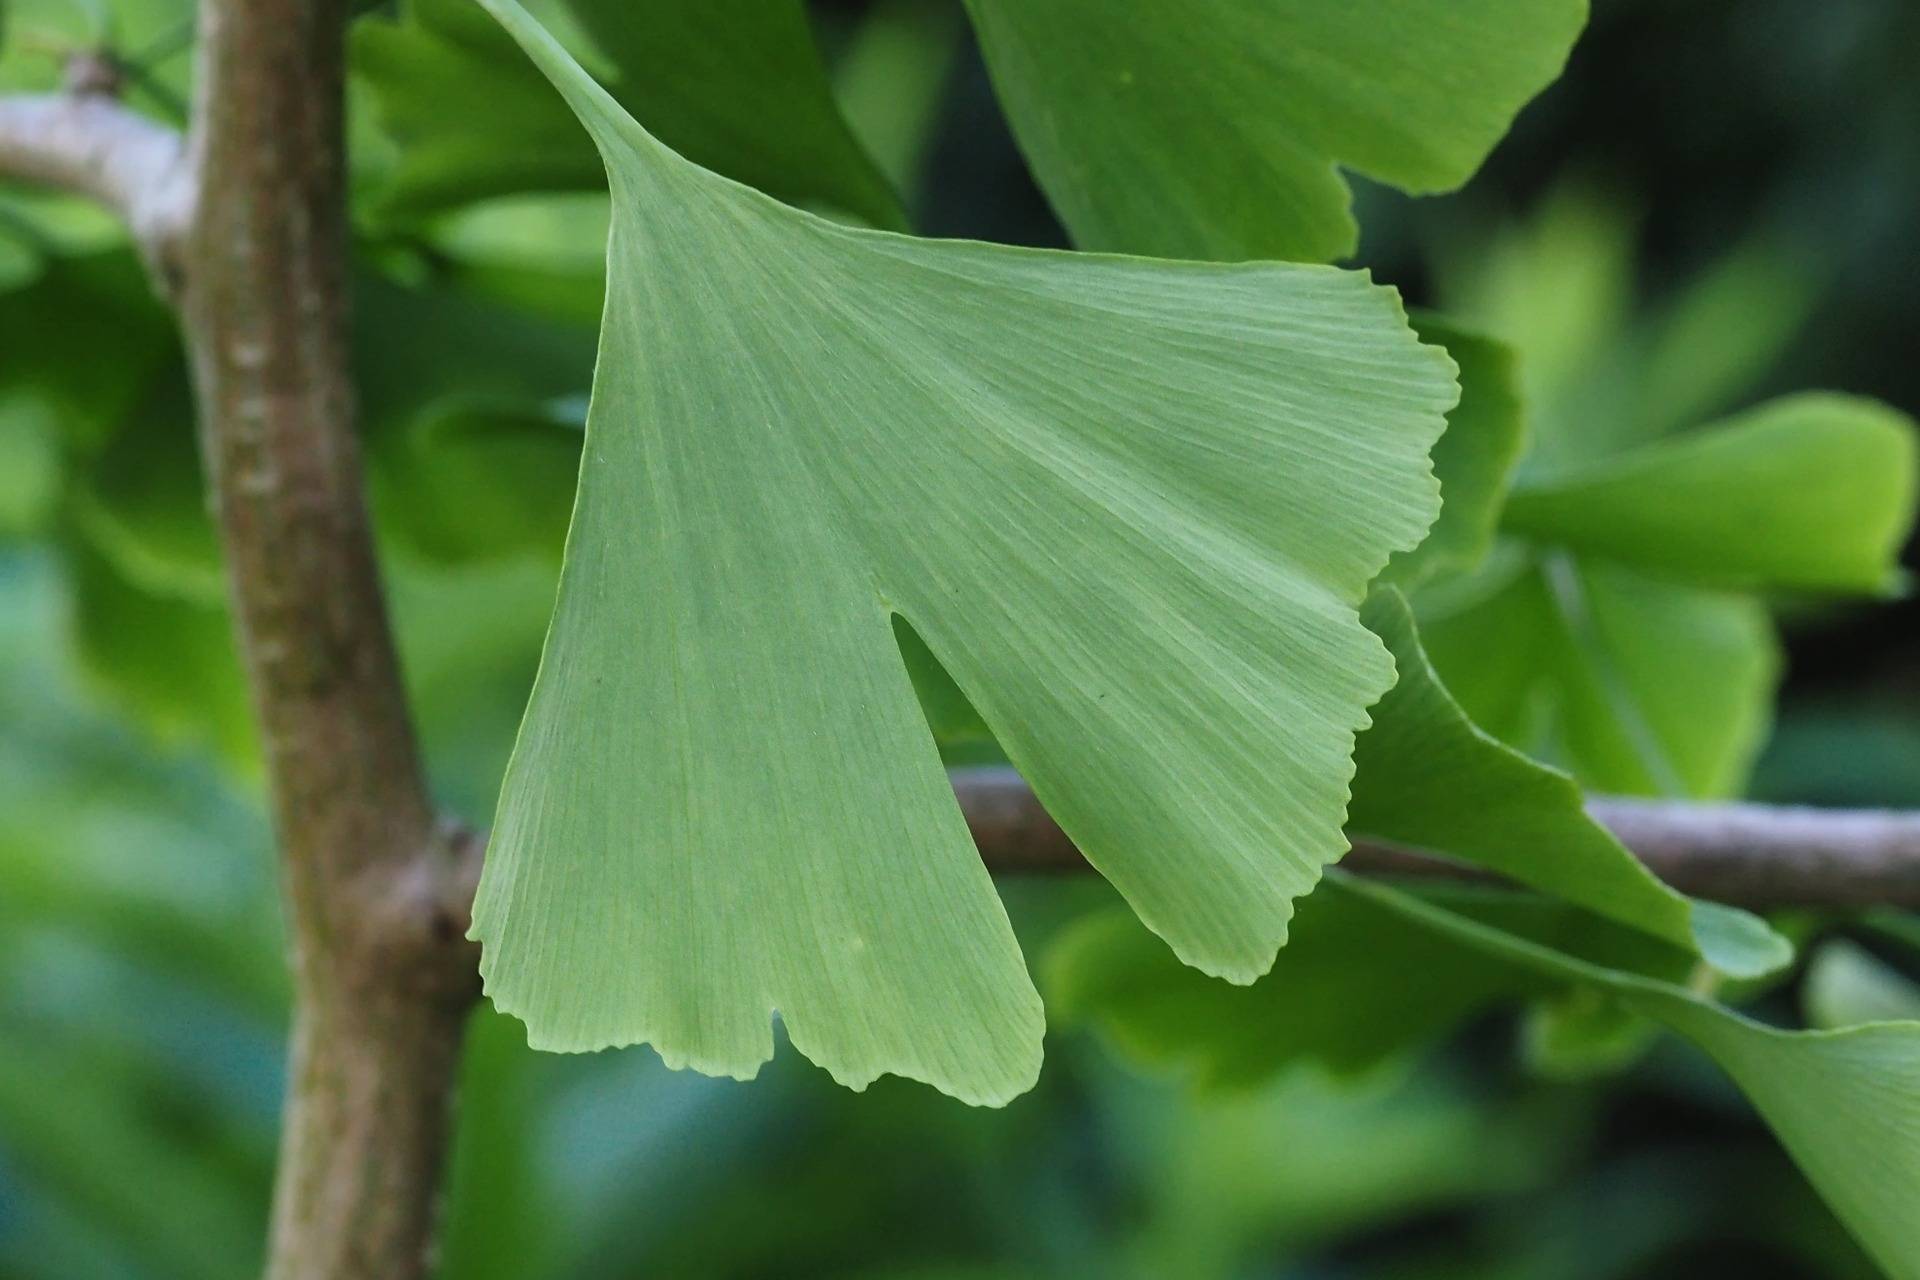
1738	943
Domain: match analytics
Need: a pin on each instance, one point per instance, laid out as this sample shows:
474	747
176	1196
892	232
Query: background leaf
1428	778
1384	970
734	85
1485	436
1809	492
1633	684
1831	1096
1217	129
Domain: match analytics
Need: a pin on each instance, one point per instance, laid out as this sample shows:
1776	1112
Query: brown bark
245	226
1750	855
383	978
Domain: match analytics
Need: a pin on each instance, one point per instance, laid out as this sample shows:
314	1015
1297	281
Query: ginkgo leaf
1472	460
1428	778
735	85
1808	492
1217	128
1131	506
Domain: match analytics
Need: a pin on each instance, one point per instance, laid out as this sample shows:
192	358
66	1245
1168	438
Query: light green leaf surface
735	85
1634	685
1217	128
1131	506
1428	778
1475	457
1809	492
1374	970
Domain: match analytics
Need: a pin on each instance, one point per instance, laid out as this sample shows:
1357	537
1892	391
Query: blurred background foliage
1715	205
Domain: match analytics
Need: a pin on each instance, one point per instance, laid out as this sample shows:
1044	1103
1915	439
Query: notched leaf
1131	506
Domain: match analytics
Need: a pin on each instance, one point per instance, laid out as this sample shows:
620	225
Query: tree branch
1749	855
89	144
245	226
383	978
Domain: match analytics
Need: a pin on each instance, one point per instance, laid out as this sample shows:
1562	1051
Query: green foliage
736	86
479	481
1615	630
1427	777
1374	970
1115	516
56	320
1475	456
1832	1096
1635	685
1072	476
1806	493
1619	652
1217	129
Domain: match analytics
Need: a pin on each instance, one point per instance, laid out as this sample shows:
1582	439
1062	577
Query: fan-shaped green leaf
1217	128
1471	462
1130	505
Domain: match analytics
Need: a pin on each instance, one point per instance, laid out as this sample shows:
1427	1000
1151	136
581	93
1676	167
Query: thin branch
245	224
383	979
1757	855
1749	855
89	144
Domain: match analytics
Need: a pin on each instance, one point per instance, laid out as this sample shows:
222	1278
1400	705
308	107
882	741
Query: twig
89	144
1746	854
